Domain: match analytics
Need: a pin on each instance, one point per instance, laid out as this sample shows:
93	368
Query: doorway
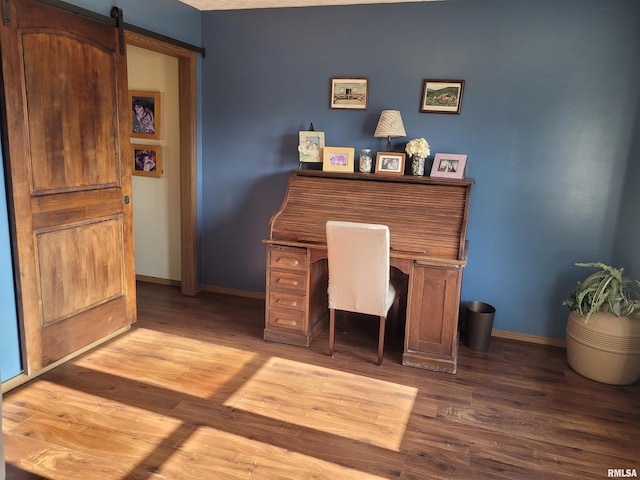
188	152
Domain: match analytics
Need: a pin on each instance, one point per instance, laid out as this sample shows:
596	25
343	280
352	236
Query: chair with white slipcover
359	274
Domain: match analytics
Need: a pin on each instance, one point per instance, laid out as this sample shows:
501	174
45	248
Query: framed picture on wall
449	165
390	162
145	114
147	160
442	96
349	93
338	159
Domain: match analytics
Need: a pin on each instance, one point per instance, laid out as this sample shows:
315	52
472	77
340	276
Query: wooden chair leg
332	330
383	320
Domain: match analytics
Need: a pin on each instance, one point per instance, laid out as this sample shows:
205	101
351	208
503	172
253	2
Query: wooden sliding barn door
67	120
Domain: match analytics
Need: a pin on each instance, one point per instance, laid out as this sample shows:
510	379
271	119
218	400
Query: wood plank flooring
194	392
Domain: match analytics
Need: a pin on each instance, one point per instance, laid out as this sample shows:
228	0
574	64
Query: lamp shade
390	125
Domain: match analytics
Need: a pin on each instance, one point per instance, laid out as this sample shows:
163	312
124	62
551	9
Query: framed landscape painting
442	96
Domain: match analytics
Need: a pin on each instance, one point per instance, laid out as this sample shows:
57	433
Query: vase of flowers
419	151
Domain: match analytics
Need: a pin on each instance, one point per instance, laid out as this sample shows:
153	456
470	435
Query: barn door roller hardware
116	20
6	13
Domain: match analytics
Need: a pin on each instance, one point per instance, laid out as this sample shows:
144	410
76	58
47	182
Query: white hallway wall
156	201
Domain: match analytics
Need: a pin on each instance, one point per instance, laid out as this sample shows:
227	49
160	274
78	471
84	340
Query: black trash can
479	325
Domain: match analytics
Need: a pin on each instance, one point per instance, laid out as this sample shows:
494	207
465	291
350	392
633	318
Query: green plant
607	288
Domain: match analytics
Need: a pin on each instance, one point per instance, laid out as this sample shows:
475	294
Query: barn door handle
126	199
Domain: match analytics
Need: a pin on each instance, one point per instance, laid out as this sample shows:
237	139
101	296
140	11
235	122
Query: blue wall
548	115
627	248
168	17
10	365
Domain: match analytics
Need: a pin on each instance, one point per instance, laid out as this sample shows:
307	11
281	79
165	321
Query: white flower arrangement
418	147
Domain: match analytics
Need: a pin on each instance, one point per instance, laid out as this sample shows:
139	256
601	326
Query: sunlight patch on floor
158	358
257	459
339	403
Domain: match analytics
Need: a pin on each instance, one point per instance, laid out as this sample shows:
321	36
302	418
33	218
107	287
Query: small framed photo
310	146
449	165
442	96
338	159
145	114
147	160
349	93
390	162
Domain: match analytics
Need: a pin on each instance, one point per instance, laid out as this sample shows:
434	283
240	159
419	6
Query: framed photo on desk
449	165
390	162
338	159
310	146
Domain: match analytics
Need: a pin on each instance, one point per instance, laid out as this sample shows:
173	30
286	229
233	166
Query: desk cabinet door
432	314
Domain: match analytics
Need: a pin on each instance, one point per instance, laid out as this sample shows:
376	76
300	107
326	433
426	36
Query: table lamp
390	125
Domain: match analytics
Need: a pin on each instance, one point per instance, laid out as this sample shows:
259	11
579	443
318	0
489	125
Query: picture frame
310	146
146	160
145	114
390	163
442	96
349	93
449	165
338	159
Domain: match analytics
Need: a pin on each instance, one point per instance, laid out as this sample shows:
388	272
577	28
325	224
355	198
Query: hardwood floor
194	392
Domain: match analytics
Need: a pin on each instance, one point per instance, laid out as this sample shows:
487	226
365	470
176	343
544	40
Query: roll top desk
427	219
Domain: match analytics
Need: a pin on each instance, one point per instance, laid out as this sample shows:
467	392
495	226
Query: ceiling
246	4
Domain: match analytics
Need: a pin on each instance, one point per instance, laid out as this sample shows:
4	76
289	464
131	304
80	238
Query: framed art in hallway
147	160
390	162
442	96
349	93
449	165
145	114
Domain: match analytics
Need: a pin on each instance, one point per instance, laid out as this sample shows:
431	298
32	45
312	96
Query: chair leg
332	330
383	320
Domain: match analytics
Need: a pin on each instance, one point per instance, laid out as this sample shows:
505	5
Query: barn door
67	121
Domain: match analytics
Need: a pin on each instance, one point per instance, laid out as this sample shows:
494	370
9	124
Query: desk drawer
288	301
288	258
287	279
286	319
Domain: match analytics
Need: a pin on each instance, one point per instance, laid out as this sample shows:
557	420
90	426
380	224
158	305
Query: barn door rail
116	20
